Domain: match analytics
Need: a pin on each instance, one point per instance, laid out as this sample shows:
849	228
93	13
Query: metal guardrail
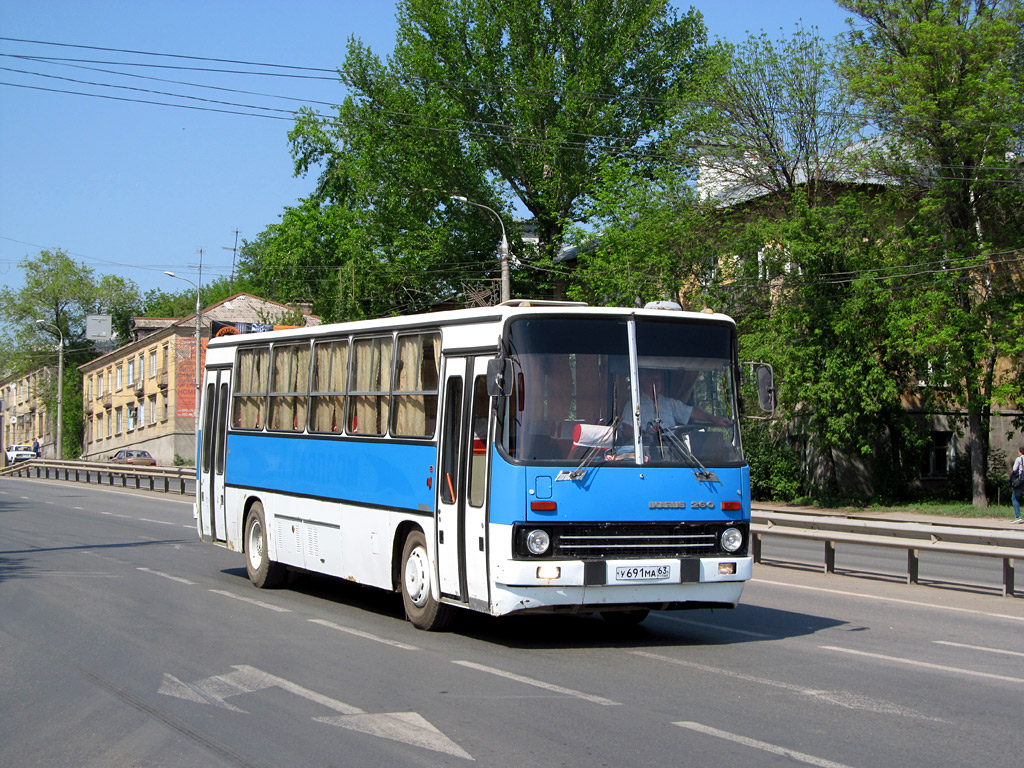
913	537
86	471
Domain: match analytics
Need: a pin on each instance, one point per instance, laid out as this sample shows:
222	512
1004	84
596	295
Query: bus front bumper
549	586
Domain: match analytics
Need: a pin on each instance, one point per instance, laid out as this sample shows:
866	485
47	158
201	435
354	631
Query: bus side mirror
499	377
765	386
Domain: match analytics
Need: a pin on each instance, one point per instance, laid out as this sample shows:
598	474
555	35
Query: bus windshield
574	395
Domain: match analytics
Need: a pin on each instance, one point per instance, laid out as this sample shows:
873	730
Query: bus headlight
731	539
538	541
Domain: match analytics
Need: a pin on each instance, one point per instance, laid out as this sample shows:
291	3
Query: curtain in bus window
370	385
327	403
289	385
252	375
415	395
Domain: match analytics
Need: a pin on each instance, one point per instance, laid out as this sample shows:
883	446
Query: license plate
642	572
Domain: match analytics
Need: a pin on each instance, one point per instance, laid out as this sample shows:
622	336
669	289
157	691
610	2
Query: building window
131	371
152	362
941	457
152	410
131	417
110	425
119	378
163	406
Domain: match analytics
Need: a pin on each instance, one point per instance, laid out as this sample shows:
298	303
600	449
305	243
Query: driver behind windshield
658	409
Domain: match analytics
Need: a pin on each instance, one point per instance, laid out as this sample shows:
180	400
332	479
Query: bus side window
253	373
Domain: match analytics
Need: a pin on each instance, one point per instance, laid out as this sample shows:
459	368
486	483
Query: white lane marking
978	648
158	522
123	517
366	635
404	727
877	598
762	745
716	627
539	684
250	600
925	664
839	698
178	579
80	509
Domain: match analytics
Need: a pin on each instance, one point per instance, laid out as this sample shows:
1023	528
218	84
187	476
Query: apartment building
24	416
143	394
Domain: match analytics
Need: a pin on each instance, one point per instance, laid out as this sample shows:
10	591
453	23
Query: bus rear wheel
263	572
421	604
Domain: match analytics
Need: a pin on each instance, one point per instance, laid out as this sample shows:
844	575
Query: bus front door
461	482
213	448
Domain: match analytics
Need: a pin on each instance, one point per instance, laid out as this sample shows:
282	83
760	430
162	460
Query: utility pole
234	254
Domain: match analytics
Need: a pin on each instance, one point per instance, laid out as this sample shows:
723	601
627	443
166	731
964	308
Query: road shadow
744	624
18	563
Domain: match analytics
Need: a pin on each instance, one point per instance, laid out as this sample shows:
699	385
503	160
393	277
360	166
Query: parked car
135	457
19	453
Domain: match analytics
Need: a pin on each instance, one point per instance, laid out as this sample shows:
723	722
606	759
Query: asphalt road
124	641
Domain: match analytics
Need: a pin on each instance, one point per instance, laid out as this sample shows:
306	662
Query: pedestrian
35	447
1017	484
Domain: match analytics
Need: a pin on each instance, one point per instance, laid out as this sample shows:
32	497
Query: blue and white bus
530	457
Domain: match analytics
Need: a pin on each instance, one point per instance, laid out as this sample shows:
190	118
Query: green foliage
942	80
776	469
61	292
493	100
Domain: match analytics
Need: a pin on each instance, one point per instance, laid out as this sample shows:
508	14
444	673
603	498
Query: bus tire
625	618
421	604
263	572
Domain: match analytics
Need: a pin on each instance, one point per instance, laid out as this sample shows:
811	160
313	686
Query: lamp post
199	344
59	447
506	281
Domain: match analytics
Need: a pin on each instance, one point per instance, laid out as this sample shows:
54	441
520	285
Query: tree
61	292
941	79
493	100
776	119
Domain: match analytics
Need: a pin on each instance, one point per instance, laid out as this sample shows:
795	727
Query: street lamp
199	343
506	281
59	447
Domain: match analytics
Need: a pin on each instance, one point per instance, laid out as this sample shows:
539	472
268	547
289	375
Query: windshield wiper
592	451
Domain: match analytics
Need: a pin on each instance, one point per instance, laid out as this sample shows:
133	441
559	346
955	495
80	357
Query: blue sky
135	189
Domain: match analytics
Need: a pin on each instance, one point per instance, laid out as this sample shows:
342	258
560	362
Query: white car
19	453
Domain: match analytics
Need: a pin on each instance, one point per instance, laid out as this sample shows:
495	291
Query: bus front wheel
263	572
421	605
